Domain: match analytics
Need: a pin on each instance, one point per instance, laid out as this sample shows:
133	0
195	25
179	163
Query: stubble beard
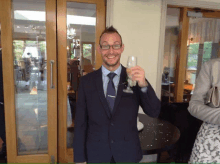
114	64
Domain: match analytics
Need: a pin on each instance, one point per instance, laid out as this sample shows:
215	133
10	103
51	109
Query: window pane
30	70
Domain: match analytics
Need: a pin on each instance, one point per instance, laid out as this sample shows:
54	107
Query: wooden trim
52	92
174	6
8	72
100	23
64	154
181	58
85	1
32	158
211	14
62	80
9	88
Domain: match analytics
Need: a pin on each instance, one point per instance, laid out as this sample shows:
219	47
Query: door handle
51	74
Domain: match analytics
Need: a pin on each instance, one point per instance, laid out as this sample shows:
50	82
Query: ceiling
26	26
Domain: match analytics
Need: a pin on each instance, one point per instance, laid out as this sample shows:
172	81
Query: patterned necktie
110	96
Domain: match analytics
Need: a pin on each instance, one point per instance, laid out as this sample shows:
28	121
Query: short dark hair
110	30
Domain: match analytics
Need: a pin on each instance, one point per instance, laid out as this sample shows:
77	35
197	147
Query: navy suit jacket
100	134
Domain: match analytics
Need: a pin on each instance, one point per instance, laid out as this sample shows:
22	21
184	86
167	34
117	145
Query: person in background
206	148
2	115
106	117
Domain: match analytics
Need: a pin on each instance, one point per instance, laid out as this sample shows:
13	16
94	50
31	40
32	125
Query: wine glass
166	73
132	62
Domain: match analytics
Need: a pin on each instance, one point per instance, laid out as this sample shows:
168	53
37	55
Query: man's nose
111	49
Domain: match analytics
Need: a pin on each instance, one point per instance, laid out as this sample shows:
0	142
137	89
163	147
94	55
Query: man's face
111	57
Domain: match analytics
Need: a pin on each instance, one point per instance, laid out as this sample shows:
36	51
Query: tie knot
111	75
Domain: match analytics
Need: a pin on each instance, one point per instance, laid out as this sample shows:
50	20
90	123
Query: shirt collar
105	71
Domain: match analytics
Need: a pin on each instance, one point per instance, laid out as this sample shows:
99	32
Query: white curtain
204	30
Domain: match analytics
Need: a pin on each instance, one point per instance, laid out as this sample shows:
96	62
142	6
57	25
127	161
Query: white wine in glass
132	62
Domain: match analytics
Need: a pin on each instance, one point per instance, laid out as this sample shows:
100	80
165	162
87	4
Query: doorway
191	38
46	48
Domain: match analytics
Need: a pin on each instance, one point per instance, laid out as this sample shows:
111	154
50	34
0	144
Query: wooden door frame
66	155
179	4
8	74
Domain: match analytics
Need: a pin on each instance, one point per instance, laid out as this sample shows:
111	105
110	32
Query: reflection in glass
81	21
203	45
171	52
30	75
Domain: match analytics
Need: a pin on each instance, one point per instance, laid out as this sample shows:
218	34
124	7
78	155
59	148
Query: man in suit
106	117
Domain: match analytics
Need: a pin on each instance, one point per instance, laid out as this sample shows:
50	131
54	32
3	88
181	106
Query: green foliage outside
193	53
19	47
87	50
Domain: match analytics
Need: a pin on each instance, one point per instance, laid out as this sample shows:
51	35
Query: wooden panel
62	79
8	72
211	14
9	88
181	59
52	93
65	155
33	158
100	24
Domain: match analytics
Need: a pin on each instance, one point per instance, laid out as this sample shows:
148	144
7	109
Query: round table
157	135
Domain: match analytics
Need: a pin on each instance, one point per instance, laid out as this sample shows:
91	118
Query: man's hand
137	74
81	163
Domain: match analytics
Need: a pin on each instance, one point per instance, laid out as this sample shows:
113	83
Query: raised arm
149	101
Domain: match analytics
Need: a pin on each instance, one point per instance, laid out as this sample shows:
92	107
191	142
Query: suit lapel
99	86
120	88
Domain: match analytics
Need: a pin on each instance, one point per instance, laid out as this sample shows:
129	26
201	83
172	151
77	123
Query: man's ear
122	48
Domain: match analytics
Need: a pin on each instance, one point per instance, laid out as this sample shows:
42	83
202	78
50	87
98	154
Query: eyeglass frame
110	46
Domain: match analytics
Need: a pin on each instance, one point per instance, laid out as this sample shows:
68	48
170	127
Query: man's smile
111	56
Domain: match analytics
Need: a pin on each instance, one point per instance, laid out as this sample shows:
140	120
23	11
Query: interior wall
88	37
141	26
138	22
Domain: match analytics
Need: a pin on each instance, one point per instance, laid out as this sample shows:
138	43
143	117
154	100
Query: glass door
80	23
203	45
191	38
29	74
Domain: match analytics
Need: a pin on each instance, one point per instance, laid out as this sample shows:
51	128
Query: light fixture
71	33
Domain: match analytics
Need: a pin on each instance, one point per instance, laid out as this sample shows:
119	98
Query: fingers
137	77
136	68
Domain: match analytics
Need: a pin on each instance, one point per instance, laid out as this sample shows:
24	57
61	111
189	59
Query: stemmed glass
132	62
166	73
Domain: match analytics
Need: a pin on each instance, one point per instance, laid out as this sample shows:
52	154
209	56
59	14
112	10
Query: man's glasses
107	47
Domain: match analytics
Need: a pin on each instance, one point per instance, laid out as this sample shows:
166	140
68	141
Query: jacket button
112	124
112	141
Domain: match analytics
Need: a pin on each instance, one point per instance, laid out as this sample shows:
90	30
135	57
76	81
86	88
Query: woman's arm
197	108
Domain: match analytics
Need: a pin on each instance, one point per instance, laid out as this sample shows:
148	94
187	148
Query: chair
178	115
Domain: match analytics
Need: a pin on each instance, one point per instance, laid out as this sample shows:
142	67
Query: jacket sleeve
149	101
197	107
80	128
